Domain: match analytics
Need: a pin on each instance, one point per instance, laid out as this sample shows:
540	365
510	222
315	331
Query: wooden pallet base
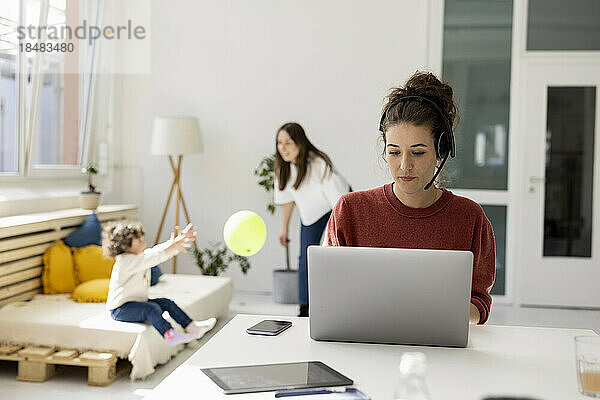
31	371
38	364
97	376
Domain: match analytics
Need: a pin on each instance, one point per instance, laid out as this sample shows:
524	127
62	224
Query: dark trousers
151	311
309	235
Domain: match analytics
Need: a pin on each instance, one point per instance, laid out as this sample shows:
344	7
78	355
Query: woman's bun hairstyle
419	112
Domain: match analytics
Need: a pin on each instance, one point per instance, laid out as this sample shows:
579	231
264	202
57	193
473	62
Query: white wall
244	68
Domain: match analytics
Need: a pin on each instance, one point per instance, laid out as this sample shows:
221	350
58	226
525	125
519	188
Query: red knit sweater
376	218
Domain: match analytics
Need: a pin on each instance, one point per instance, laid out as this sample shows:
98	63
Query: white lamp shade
176	135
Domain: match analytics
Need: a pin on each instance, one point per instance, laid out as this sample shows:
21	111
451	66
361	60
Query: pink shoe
173	337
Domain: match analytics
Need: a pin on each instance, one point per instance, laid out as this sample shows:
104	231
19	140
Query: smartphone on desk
269	327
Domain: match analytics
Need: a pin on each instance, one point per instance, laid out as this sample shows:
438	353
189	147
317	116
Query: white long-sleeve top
130	278
318	192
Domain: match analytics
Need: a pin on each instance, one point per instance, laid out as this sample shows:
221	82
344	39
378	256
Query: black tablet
264	378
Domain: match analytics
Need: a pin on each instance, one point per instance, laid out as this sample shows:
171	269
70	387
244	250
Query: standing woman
304	176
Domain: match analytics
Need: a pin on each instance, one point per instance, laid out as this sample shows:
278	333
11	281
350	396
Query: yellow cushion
90	263
94	291
59	275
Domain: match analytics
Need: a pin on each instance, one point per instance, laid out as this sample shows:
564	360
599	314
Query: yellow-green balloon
245	233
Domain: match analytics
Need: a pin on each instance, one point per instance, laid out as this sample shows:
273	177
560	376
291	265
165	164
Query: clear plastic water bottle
411	384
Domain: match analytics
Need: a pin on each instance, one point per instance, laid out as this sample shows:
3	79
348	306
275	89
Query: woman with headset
304	176
412	212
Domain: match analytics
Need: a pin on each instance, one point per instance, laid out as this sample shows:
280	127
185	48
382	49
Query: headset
445	150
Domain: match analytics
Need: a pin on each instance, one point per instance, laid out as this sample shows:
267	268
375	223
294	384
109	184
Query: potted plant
89	199
216	259
266	178
285	281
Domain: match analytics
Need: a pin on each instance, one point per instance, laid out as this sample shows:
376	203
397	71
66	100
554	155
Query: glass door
560	154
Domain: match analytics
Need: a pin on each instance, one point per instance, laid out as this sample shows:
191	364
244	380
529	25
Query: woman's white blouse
318	192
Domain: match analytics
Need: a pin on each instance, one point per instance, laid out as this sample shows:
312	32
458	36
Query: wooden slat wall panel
11	268
20	276
14	290
25	238
13	255
23	224
116	215
30	240
20	297
39	226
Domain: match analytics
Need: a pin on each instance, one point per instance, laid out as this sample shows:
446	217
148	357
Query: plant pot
285	286
89	200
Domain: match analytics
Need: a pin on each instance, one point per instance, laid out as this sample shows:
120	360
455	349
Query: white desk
500	360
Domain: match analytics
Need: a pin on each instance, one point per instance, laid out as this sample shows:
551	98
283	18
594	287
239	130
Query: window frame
492	197
27	114
522	17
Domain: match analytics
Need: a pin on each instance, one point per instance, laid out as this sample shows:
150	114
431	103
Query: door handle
533	180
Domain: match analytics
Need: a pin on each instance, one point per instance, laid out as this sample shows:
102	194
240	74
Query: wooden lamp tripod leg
178	195
162	220
175	186
185	210
187	216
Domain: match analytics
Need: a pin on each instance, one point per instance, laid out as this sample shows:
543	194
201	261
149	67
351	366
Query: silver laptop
396	296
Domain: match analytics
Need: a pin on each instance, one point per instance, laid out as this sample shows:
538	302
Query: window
44	94
563	25
9	90
57	141
476	61
569	182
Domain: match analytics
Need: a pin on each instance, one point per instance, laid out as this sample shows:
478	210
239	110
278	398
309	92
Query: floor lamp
175	136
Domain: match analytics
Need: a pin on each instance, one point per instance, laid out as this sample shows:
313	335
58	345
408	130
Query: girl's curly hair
117	237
